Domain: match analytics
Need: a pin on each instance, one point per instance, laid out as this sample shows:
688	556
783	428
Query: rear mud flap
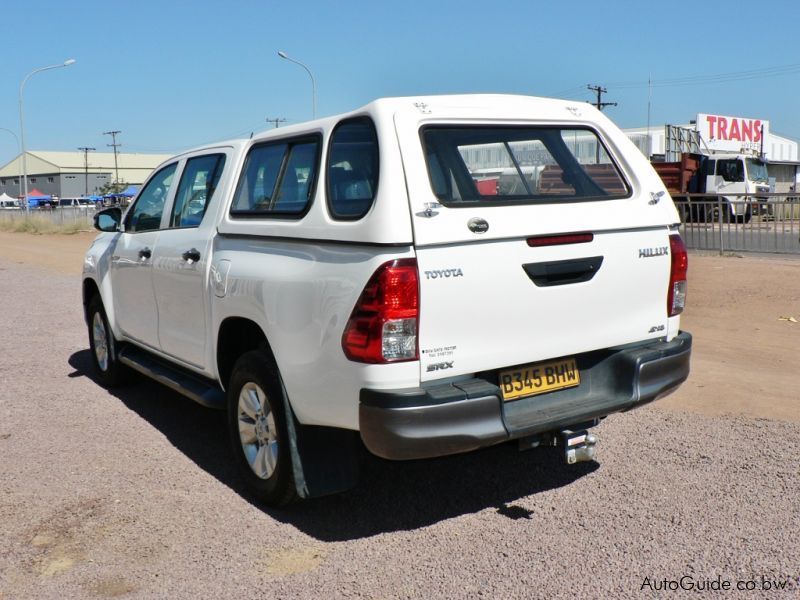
324	459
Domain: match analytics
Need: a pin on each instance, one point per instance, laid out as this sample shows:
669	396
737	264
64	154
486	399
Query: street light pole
16	137
66	63
313	83
12	133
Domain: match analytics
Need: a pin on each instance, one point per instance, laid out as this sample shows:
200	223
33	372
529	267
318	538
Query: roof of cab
458	106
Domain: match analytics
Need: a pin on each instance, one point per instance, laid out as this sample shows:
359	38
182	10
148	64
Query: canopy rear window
471	165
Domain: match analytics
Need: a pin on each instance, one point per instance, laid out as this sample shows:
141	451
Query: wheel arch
90	289
237	335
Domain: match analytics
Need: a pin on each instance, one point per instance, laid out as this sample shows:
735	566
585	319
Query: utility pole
600	91
276	121
86	151
600	106
115	145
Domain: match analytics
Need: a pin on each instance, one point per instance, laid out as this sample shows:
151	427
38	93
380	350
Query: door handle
145	253
563	272
192	255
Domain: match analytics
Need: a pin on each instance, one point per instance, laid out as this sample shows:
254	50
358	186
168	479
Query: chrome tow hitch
578	446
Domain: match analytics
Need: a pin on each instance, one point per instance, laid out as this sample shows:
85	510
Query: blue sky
175	74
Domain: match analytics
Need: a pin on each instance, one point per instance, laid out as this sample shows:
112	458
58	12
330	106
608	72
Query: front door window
146	213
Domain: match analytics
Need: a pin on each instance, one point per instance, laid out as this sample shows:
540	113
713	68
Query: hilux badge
650	252
478	225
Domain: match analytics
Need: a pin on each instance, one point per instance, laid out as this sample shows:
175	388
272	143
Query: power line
567	92
276	121
86	150
729	77
115	145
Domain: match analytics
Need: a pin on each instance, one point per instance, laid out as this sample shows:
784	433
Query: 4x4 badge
478	225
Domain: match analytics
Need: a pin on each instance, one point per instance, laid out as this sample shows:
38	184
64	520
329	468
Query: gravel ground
130	494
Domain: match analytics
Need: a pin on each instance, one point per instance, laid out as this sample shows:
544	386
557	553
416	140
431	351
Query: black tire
712	212
745	218
696	213
727	213
103	347
257	429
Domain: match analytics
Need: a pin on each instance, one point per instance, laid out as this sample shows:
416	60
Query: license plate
539	378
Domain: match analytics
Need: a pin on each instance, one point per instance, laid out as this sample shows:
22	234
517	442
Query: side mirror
108	219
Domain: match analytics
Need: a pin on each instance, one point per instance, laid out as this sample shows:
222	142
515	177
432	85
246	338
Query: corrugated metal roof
132	167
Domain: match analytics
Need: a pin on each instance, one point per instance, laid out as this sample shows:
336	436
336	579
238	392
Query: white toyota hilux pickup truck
425	276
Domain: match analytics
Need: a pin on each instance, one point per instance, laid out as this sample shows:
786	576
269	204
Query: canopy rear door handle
145	253
563	272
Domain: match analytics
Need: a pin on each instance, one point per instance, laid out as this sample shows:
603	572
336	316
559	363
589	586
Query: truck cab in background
738	180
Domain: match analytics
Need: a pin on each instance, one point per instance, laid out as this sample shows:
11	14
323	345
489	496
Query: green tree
112	188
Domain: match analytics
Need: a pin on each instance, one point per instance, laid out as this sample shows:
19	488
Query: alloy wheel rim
257	431
100	340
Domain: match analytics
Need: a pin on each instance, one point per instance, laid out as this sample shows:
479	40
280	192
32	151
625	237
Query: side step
202	391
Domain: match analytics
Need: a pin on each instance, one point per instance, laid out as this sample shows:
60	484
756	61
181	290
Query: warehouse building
66	174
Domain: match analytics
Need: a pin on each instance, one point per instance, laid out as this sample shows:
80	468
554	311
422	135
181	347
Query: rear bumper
458	417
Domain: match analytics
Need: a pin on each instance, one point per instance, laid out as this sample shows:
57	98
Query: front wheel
745	218
103	347
257	429
718	212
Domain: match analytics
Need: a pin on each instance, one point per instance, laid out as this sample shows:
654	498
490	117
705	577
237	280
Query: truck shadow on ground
391	496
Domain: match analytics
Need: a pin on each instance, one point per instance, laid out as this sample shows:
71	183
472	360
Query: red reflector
560	240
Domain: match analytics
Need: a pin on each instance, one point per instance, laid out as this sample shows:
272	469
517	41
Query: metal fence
768	224
69	217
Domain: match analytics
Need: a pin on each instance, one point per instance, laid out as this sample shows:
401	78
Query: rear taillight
383	325
676	296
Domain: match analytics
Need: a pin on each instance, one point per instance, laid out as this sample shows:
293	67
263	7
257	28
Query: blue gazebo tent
35	198
128	192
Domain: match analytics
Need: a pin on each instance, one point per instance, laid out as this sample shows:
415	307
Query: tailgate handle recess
562	272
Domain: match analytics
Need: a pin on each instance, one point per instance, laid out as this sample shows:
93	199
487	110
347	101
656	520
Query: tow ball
578	446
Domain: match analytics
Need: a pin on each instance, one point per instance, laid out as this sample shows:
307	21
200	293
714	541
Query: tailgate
502	303
503	280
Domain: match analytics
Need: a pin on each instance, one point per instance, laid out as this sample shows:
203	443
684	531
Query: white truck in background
738	180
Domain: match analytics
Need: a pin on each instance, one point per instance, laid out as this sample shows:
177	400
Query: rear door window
278	179
352	170
196	189
490	165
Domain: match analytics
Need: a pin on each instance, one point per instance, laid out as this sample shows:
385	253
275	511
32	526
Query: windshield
757	170
487	165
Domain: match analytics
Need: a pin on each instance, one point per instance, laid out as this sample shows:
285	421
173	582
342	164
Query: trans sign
722	133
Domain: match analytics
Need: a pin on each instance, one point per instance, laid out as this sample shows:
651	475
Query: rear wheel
694	212
257	428
103	346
